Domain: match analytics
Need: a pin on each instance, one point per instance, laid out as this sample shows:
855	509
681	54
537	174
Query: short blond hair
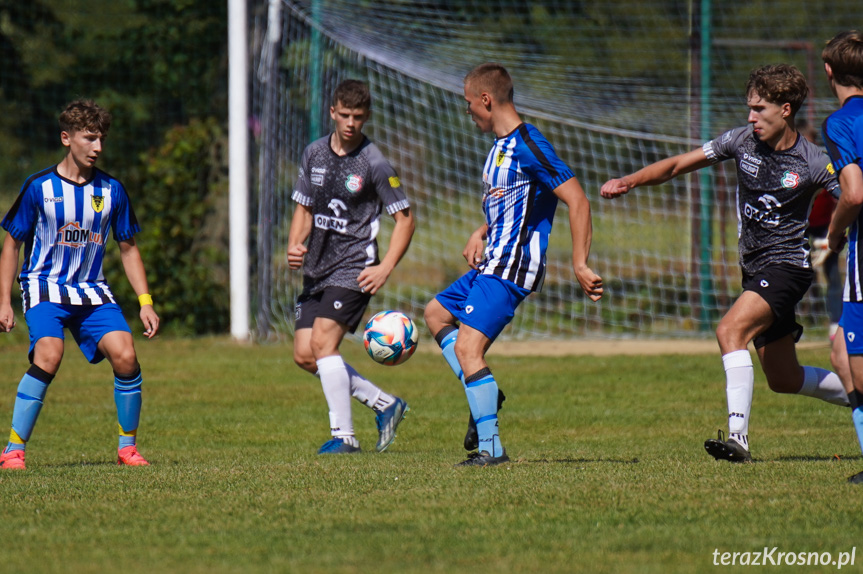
492	78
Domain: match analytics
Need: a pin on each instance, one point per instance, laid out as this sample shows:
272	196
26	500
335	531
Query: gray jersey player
344	185
779	172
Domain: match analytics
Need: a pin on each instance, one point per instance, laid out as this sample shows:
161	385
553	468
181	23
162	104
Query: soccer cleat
12	459
471	437
388	421
729	450
338	446
856	479
483	458
129	456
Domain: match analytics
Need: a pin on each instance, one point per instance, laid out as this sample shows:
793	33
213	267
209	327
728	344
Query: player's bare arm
572	194
301	228
475	248
850	202
133	265
656	173
373	278
8	268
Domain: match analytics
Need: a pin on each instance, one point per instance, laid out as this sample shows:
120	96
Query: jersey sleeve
21	218
303	189
123	218
839	139
386	182
823	173
545	166
724	146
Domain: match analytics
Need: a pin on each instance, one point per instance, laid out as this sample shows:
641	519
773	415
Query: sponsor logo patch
395	182
53	200
317	176
336	224
71	235
749	168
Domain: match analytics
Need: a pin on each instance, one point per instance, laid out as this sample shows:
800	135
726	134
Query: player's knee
125	360
306	361
48	357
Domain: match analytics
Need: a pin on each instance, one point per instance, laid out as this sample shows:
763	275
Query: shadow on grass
815	458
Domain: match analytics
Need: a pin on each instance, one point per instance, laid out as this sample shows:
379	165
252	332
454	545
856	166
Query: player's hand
590	282
836	241
614	188
296	253
7	318
150	321
373	278
474	250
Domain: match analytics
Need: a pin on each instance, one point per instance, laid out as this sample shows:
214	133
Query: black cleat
856	479
483	459
471	437
729	450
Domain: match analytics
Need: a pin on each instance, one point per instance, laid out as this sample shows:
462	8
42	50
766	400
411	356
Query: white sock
739	382
366	392
337	390
823	384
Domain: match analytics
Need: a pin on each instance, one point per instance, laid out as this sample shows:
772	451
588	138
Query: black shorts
342	305
782	286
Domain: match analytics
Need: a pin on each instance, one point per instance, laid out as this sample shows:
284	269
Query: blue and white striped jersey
843	137
64	226
519	178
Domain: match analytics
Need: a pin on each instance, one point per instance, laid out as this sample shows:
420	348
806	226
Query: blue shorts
485	302
87	323
852	327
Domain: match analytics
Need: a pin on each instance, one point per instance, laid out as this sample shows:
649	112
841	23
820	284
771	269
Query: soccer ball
390	338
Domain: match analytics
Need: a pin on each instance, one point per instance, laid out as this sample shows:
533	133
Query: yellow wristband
145	299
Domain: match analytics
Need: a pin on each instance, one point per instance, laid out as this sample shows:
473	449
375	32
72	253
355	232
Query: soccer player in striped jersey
843	136
522	181
63	218
778	174
344	184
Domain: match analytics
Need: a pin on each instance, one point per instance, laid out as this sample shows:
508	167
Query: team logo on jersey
71	235
354	183
394	181
97	202
501	155
790	180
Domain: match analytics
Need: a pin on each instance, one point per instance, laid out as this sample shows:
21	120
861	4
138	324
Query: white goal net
613	87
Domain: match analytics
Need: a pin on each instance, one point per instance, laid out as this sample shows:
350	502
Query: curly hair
353	94
85	115
779	84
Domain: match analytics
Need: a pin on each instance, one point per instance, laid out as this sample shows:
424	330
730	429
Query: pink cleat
129	456
13	460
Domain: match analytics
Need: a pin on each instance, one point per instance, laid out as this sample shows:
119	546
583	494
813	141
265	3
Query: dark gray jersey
346	195
775	190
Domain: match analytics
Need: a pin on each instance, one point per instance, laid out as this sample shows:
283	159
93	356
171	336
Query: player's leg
45	323
786	375
749	316
102	333
443	325
488	308
848	350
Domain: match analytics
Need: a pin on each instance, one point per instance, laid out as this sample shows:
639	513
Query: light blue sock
28	405
481	391
857	417
127	397
447	346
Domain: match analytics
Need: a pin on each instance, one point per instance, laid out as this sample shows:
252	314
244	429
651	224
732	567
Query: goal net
613	86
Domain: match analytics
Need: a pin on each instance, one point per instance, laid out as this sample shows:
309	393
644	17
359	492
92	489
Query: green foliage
608	472
181	207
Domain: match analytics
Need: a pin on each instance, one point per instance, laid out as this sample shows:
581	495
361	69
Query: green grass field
608	472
